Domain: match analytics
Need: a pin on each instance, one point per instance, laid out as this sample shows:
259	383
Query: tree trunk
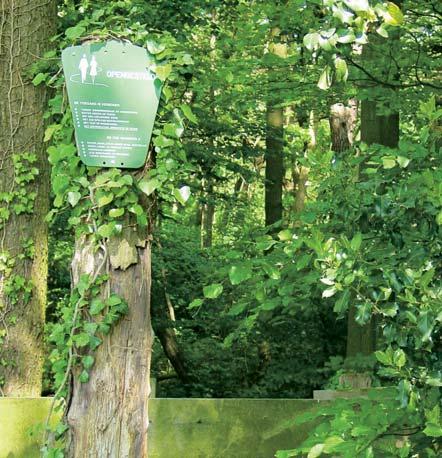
274	158
342	125
108	415
383	130
360	339
274	172
207	217
25	29
163	317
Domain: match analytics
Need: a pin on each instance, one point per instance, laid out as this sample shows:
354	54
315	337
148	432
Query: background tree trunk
274	153
25	29
108	415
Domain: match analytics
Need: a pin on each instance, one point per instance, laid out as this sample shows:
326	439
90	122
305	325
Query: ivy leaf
105	199
116	212
50	131
72	33
113	300
155	48
213	291
82	339
97	305
238	274
149	186
84	376
39	78
87	361
106	230
163	71
74	197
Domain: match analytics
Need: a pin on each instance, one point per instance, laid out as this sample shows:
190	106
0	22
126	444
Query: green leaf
106	230
439	218
195	304
238	274
403	161
105	199
357	5
399	358
113	300
163	71
39	78
394	15
182	194
384	357
87	361
155	48
50	131
149	186
84	376
342	303
213	291
285	235
311	41
74	197
382	31
331	442
188	113
72	33
329	292
81	340
116	212
356	241
363	313
325	80
341	69
315	451
97	305
388	162
433	430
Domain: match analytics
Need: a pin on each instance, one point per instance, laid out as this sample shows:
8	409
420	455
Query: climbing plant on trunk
25	29
102	343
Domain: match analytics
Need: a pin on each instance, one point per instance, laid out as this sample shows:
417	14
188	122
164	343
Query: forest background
296	188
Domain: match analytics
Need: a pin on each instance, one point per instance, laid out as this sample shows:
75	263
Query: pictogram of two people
84	65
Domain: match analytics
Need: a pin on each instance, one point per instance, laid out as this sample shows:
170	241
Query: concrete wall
179	428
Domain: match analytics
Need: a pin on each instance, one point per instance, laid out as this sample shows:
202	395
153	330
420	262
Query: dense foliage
241	309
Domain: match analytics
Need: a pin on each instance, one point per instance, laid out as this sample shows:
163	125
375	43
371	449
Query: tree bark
207	218
108	415
25	29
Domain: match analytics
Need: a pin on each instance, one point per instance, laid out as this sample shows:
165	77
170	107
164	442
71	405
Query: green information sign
114	98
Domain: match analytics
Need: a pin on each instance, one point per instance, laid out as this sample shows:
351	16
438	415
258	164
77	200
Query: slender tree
25	29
